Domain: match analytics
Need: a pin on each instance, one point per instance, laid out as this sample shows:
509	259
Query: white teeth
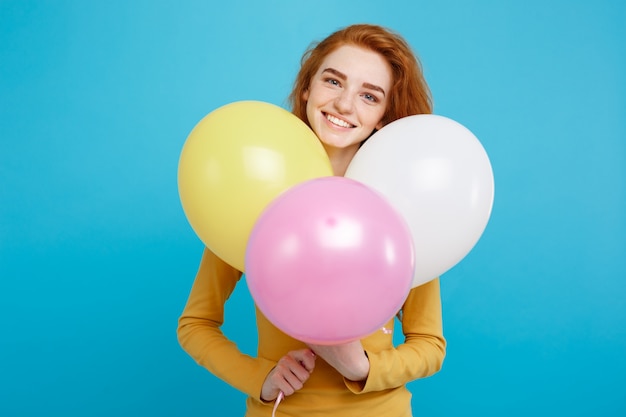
336	121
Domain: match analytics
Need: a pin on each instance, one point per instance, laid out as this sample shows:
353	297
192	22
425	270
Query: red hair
409	92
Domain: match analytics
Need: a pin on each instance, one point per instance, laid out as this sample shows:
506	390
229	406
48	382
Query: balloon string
280	397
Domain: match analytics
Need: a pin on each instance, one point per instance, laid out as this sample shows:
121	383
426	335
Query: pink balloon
329	261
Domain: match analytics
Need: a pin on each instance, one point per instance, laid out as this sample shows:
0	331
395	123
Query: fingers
290	374
305	357
294	369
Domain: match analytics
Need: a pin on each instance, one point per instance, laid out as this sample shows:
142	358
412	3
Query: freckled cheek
311	111
372	117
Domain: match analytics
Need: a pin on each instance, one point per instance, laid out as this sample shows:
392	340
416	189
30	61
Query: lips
337	121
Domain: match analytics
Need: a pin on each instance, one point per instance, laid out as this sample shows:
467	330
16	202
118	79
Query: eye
332	81
370	97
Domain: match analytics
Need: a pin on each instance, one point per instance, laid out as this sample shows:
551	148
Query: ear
305	95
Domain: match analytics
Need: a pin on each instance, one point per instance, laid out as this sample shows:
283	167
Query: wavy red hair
409	93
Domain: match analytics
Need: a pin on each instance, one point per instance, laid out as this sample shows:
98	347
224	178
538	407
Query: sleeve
424	346
200	334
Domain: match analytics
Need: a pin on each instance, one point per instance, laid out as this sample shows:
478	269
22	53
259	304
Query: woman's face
348	96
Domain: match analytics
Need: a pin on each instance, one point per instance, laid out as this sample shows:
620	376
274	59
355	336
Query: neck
340	158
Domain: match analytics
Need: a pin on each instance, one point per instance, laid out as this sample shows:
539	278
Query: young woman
350	85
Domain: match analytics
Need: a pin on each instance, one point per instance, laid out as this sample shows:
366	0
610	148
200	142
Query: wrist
360	370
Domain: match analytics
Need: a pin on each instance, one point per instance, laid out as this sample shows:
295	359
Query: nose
344	102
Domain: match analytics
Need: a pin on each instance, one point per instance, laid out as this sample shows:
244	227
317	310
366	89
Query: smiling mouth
337	121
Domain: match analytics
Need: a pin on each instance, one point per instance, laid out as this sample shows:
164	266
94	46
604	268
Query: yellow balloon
235	161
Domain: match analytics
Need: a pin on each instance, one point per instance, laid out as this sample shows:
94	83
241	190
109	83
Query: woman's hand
289	374
348	358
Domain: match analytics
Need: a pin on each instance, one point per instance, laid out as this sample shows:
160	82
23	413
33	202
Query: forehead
359	64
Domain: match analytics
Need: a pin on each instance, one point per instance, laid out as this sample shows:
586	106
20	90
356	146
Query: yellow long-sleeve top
326	393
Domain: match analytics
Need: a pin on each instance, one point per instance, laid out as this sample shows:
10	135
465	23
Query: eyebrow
345	77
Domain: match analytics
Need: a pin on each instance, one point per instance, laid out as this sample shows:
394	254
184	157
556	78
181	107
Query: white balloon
436	173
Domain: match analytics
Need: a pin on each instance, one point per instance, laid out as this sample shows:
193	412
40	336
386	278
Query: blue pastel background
97	257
